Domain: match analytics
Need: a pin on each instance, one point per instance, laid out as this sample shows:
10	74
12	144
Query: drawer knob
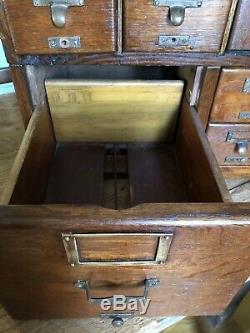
59	9
242	147
177	8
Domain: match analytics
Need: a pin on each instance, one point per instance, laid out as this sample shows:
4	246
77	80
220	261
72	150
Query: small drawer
117	192
230	143
240	34
169	25
72	26
232	99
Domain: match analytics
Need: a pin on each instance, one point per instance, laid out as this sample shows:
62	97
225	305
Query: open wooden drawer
114	194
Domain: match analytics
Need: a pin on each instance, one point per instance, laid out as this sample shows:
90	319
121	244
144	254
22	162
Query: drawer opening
116	155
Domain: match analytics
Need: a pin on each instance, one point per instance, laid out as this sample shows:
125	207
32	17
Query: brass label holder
72	252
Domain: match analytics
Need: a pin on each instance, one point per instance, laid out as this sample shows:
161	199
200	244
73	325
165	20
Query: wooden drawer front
230	143
33	31
232	100
148	27
205	265
240	35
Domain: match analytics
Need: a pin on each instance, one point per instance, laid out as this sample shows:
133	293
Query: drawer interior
116	146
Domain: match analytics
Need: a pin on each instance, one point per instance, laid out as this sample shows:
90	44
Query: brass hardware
84	285
242	147
241	143
236	159
71	248
117	318
246	87
245	115
177	8
59	9
64	42
175	41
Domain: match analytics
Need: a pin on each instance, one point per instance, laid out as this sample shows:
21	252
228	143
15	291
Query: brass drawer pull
241	143
177	8
84	285
117	249
59	9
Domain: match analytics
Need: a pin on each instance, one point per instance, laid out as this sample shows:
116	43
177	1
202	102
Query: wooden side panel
144	23
32	180
22	93
231	103
205	267
32	26
76	175
155	175
207	91
114	111
240	35
200	169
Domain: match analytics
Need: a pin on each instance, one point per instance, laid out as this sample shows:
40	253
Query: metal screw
117	322
67	239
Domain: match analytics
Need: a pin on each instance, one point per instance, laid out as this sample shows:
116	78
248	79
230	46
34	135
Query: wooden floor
11	132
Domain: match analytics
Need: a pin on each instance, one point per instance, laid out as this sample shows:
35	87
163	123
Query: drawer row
229	126
87	26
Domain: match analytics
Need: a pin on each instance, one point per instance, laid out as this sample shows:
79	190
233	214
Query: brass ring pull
84	285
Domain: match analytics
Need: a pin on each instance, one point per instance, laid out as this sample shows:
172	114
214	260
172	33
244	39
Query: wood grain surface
94	23
230	99
114	111
240	35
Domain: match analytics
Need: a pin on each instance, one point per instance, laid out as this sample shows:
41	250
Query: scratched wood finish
238	59
240	34
114	111
31	27
217	135
231	103
144	23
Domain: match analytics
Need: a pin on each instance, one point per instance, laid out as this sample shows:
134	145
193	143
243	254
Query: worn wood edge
144	217
197	85
229	25
210	157
22	93
112	83
18	163
229	58
204	106
230	172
